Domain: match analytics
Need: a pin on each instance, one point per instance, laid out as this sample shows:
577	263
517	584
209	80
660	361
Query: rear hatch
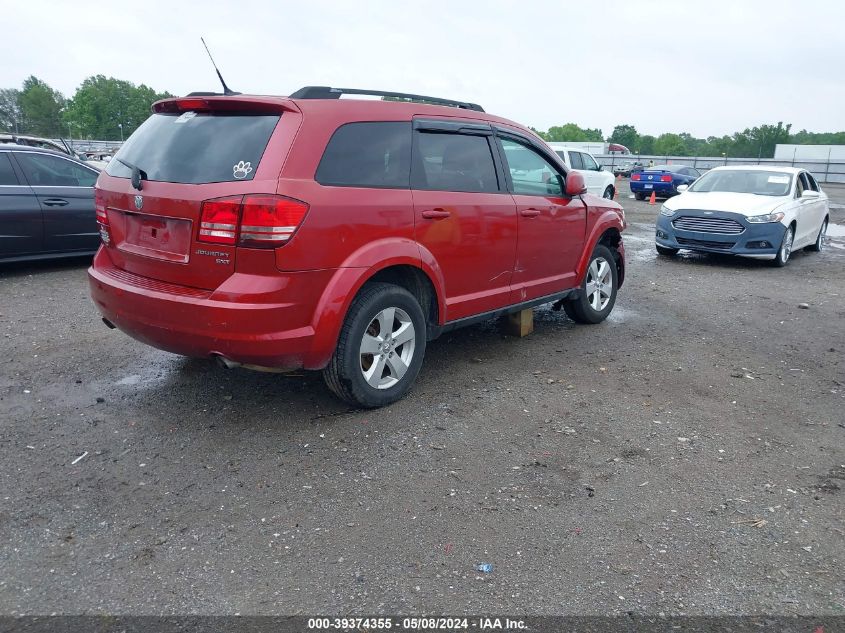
189	152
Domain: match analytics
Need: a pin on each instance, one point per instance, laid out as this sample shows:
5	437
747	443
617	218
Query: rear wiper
138	174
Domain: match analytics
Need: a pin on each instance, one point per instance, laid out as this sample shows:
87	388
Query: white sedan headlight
769	217
664	210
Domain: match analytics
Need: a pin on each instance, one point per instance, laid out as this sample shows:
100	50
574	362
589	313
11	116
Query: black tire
819	245
666	251
344	373
785	249
639	196
608	193
581	309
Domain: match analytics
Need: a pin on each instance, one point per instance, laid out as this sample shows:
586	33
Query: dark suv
341	234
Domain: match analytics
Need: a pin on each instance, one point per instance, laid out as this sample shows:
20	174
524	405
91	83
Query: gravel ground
684	457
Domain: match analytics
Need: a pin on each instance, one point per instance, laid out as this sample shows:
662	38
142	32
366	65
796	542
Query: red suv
341	234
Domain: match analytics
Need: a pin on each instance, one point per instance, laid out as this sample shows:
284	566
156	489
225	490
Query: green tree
646	145
106	108
626	135
41	108
670	145
11	119
572	132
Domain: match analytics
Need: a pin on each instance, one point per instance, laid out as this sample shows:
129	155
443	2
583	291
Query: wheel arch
607	231
406	270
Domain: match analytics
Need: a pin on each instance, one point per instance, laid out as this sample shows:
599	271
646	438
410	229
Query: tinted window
803	185
368	155
813	184
589	162
7	174
44	170
196	147
575	160
455	162
531	174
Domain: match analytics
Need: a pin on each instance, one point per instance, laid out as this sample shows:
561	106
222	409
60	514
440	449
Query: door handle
529	213
55	202
435	214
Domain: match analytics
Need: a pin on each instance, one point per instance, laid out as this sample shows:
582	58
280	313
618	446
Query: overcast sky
708	68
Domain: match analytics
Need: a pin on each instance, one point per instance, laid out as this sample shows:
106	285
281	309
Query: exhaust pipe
226	362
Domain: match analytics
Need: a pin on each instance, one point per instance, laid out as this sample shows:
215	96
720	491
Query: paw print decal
241	170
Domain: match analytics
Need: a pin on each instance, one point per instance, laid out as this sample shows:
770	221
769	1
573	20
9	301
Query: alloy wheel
387	348
599	287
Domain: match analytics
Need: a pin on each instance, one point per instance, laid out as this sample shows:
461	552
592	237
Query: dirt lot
683	457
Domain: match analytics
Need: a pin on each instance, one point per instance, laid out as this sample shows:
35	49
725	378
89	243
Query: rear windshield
759	182
195	147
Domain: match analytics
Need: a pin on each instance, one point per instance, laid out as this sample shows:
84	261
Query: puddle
835	230
621	315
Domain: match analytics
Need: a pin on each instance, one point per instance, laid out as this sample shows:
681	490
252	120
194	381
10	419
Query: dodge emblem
139	202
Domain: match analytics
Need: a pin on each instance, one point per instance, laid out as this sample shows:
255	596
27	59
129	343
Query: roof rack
325	92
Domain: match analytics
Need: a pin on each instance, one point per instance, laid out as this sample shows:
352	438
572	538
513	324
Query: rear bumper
760	241
251	319
659	188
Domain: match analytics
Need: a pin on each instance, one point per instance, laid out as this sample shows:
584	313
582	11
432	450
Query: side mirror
575	184
601	168
682	188
809	193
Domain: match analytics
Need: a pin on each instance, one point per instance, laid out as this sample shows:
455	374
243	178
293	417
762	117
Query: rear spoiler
218	103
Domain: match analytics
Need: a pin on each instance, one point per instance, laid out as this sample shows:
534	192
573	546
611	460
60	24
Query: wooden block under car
519	323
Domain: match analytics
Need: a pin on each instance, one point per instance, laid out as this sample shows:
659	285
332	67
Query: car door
551	225
595	182
21	224
65	191
464	216
806	222
819	206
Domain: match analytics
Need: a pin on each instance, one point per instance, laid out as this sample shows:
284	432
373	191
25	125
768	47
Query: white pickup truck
599	181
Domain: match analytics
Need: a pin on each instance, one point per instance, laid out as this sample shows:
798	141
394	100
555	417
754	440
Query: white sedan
753	211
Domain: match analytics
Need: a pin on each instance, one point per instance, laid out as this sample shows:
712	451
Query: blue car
663	180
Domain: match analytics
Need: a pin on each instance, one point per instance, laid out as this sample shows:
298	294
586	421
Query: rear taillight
102	217
270	220
255	220
666	178
635	176
219	220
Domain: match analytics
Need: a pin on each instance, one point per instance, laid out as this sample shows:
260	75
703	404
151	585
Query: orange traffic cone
652	199
618	176
615	192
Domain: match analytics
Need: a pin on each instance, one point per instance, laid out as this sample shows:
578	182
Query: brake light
192	104
270	220
666	178
102	217
635	176
219	220
256	220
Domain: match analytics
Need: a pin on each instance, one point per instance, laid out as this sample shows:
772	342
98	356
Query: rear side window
368	154
7	174
196	147
575	160
45	170
455	162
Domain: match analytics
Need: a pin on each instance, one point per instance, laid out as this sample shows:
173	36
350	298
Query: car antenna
226	90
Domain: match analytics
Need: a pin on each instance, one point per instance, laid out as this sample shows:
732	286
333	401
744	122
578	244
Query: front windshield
758	182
